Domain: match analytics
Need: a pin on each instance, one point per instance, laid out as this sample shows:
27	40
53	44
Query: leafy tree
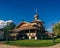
10	26
56	29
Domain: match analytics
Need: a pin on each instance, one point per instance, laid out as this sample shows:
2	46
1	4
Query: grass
34	43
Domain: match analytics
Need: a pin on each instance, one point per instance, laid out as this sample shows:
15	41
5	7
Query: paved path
10	46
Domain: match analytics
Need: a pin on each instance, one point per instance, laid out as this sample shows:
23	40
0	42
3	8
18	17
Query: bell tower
36	15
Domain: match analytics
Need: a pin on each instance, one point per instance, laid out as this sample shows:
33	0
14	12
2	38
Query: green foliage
56	29
9	26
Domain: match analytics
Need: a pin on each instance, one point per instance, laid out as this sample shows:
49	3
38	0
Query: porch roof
24	28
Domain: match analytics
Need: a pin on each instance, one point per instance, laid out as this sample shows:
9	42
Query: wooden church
29	30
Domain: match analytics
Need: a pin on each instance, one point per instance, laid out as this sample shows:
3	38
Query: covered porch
28	33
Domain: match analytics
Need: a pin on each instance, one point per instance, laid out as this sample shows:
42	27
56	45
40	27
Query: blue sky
18	10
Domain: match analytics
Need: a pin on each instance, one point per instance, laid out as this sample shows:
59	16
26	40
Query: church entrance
32	37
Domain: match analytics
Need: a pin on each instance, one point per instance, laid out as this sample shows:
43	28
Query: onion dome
36	18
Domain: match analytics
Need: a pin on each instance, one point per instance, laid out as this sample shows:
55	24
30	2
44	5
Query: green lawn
34	43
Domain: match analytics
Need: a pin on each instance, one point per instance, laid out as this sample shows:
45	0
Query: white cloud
9	21
4	23
49	29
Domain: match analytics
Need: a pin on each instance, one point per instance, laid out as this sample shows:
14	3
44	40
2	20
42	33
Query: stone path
10	46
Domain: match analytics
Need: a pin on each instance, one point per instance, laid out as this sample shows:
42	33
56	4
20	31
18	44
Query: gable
22	24
25	25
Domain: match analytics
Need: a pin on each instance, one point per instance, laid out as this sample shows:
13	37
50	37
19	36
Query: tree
10	26
56	29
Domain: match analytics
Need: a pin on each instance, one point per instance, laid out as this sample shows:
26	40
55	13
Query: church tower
36	16
36	20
